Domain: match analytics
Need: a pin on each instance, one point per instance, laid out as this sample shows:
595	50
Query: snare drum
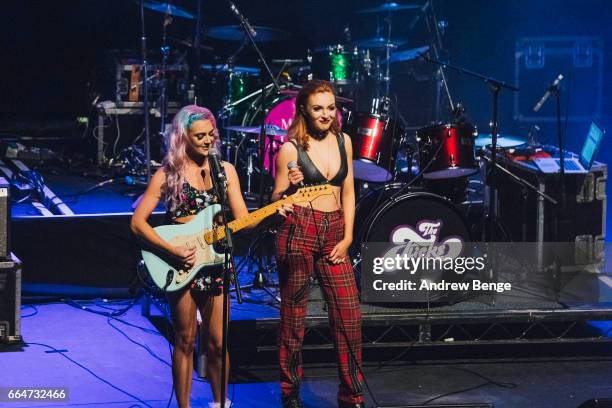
447	151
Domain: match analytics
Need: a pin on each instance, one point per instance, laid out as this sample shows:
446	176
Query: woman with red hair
314	240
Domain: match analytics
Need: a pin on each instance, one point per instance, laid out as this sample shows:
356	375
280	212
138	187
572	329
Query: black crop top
312	175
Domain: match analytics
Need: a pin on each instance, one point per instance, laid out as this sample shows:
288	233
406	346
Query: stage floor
124	362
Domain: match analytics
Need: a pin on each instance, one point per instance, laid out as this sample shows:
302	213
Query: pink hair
175	162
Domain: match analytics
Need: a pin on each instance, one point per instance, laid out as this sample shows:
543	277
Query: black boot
292	401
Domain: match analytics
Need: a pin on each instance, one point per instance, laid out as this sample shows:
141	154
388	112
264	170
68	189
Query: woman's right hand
186	256
295	176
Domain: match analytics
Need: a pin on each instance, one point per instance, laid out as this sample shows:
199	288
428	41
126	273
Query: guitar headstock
310	193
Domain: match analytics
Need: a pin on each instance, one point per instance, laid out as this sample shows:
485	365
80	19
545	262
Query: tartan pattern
303	241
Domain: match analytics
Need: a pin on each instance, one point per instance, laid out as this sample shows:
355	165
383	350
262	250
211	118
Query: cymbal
188	43
237	69
271	130
168	8
235	33
503	141
389	7
288	61
407	55
294	92
380	42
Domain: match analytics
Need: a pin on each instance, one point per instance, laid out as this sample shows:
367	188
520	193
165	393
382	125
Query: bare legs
183	309
211	310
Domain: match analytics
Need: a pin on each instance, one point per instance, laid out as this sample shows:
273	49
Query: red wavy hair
299	127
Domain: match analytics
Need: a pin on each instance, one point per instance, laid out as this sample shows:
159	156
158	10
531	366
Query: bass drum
412	216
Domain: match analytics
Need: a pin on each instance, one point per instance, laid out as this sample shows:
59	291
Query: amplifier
5	219
527	217
124	77
129	79
10	300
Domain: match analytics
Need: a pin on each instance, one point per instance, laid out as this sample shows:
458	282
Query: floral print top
192	201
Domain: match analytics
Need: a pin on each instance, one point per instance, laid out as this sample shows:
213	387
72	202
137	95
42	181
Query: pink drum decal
280	116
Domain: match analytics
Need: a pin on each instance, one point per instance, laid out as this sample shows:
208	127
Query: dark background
53	53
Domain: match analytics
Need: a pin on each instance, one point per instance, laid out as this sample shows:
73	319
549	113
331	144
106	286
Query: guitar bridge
182	275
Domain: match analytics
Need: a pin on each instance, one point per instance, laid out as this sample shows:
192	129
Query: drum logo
423	241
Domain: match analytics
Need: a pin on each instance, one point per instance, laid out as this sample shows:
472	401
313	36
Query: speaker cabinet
5	219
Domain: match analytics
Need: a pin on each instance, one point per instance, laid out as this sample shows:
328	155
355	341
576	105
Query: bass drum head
412	216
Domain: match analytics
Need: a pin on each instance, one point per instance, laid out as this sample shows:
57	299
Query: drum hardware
380	42
503	141
407	55
168	9
190	44
145	88
453	145
165	50
386	43
288	61
389	8
263	262
293	93
338	64
495	87
236	33
271	130
374	145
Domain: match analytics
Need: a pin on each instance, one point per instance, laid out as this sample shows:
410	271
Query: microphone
216	171
292	165
554	86
242	18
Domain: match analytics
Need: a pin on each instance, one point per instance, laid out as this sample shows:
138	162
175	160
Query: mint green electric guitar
200	233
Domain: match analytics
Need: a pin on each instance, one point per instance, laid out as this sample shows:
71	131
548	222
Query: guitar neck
218	233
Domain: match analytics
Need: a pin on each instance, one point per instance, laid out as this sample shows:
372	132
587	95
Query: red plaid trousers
303	242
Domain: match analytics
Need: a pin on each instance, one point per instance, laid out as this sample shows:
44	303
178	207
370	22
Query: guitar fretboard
304	194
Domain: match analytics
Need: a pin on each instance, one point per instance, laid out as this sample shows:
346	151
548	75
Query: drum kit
256	105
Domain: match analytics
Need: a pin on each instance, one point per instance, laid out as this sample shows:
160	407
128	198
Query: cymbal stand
262	262
162	100
226	112
387	77
145	90
196	44
435	39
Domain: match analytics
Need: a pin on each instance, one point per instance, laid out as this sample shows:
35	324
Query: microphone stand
250	34
495	87
220	187
163	100
196	44
435	40
557	92
145	90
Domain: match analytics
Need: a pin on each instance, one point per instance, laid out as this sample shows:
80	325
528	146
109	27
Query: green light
340	66
238	86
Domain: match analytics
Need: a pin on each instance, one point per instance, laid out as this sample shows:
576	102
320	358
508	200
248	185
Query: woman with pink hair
184	180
